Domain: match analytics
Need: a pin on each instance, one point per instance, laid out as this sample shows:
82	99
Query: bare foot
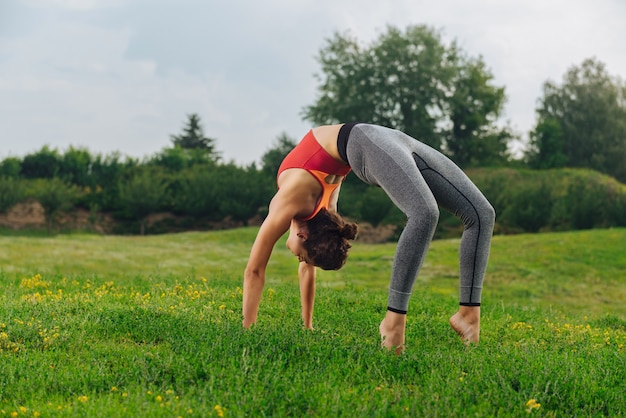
392	332
466	323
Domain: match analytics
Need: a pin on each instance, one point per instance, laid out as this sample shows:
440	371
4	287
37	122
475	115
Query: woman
416	177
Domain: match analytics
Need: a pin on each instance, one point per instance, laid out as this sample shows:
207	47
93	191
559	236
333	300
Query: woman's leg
455	192
379	156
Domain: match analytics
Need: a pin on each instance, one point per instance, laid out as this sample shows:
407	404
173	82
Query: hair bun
349	231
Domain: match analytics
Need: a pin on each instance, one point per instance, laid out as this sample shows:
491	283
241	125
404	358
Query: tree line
410	80
436	92
187	179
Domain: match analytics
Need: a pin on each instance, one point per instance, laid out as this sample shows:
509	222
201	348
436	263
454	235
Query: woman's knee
433	214
426	218
487	214
479	213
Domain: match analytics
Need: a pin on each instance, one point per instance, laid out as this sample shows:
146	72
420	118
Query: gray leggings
418	179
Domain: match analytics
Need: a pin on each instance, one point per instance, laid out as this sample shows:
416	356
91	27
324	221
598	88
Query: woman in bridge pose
417	178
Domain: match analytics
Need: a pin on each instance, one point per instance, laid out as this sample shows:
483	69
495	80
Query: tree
394	82
10	167
582	123
43	164
473	108
413	82
547	145
106	174
75	166
177	159
193	138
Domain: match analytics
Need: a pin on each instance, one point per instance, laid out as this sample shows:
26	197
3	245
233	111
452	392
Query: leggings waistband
342	140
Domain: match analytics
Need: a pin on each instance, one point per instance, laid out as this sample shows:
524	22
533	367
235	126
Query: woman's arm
281	212
306	273
254	275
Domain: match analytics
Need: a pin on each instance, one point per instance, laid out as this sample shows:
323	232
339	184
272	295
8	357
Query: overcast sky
121	75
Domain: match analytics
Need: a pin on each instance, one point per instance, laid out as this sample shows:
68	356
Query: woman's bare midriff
327	135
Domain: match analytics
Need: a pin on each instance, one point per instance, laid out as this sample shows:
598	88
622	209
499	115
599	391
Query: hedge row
525	200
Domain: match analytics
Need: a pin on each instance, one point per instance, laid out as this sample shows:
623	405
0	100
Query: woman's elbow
253	273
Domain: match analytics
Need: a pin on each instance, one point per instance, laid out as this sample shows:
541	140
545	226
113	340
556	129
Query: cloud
71	4
122	75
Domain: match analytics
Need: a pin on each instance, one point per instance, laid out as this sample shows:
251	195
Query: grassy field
150	326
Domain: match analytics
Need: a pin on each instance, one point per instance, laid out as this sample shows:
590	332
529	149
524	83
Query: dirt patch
369	234
84	220
31	215
24	215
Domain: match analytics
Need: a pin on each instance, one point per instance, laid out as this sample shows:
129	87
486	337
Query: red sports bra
310	156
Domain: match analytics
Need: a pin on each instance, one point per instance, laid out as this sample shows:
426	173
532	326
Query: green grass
150	326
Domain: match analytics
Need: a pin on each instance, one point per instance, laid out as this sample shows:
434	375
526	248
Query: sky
122	75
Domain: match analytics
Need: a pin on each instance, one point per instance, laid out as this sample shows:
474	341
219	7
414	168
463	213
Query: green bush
374	205
10	167
142	194
527	208
552	200
198	189
525	201
12	191
54	195
194	193
578	204
43	164
243	192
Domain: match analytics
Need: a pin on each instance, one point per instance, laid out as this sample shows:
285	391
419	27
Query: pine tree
193	138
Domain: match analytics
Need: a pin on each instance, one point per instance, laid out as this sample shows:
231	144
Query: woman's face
298	233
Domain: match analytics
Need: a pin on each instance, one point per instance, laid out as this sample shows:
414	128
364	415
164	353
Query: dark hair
327	243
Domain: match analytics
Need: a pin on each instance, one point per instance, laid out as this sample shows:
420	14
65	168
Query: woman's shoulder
326	136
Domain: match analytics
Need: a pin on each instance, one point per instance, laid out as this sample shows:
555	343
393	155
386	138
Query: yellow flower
531	405
219	411
83	398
